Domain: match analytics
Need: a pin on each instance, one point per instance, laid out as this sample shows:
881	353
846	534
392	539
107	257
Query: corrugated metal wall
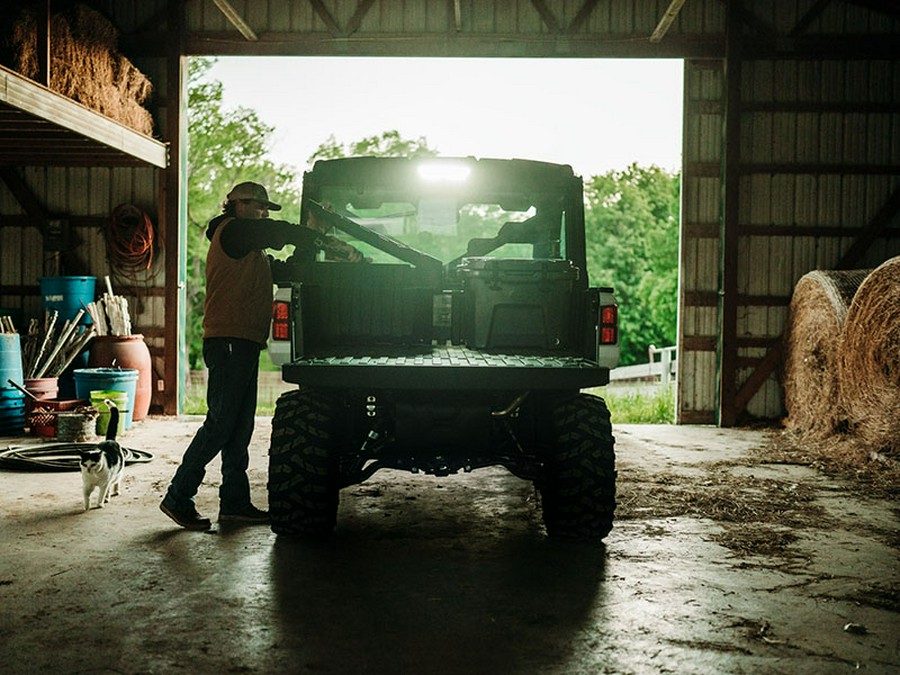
699	280
820	155
86	197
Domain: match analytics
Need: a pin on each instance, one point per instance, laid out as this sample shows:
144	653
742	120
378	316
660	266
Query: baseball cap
253	191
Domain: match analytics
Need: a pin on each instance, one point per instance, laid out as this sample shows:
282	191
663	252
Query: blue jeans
231	399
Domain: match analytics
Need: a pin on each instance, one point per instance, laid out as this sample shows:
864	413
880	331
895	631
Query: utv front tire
578	488
303	468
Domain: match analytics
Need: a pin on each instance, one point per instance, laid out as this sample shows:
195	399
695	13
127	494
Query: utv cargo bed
453	367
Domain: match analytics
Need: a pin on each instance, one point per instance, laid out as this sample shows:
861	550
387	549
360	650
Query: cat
103	466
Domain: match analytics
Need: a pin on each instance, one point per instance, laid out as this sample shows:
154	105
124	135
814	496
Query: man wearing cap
236	320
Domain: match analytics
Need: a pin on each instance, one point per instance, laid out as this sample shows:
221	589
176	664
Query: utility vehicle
464	341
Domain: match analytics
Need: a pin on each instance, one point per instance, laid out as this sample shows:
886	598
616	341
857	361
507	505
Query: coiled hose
130	239
58	457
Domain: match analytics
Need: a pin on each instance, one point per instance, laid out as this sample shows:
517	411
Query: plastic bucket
115	379
67	295
12	400
42	388
98	401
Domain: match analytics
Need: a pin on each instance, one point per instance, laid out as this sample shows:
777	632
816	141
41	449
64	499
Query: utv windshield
449	208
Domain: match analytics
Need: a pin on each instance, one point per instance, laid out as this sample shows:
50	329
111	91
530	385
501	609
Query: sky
596	115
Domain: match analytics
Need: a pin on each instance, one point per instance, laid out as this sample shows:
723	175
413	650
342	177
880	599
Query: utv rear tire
578	489
303	468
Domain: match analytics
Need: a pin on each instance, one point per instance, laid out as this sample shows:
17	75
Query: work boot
249	514
189	519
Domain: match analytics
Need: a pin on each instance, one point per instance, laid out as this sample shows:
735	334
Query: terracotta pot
130	352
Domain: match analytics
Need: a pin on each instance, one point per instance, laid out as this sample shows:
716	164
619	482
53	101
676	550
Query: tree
224	147
631	220
388	144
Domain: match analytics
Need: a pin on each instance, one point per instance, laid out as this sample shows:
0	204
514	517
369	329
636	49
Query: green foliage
649	405
225	146
388	144
631	222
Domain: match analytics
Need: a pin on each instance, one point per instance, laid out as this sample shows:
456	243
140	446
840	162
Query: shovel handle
23	390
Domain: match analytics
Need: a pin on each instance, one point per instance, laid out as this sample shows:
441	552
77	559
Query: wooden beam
870	232
547	16
731	194
753	22
793	169
326	17
811	15
171	212
824	47
236	19
362	8
583	15
438	44
24	195
668	18
756	380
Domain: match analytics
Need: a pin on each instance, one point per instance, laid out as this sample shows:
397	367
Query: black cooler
517	302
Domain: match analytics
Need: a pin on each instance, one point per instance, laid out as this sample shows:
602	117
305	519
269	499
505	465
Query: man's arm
241	236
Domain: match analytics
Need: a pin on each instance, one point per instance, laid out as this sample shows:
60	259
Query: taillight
609	325
281	324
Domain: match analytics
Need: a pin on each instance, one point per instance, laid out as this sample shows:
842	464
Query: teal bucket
12	400
67	295
116	379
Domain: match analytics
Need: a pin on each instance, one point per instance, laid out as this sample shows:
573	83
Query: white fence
662	370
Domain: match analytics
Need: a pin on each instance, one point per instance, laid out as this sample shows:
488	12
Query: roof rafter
236	20
362	9
668	18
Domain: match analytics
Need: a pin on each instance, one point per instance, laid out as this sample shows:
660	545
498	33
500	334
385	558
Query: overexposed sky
594	114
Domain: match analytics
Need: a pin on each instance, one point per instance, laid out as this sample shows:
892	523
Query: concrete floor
723	560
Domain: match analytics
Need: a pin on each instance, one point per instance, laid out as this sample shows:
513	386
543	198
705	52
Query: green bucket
98	401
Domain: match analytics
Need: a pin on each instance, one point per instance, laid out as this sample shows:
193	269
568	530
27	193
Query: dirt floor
730	554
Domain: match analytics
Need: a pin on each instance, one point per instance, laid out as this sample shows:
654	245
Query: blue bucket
12	400
67	295
115	379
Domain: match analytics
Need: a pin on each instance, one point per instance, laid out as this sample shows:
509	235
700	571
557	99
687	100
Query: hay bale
86	66
869	371
818	311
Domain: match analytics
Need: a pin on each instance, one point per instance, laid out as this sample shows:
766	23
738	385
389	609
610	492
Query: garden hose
58	457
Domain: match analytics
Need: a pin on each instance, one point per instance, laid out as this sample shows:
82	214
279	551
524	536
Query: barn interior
788	297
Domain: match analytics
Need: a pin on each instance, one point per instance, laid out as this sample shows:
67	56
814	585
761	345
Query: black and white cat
103	466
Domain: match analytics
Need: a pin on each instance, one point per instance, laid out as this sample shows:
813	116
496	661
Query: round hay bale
869	365
817	314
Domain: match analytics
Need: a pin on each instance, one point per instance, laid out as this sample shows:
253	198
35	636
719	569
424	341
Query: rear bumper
446	369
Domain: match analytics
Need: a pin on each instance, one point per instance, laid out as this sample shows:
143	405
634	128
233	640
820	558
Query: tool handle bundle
48	349
110	313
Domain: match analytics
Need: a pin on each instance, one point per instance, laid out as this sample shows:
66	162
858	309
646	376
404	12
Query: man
236	320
